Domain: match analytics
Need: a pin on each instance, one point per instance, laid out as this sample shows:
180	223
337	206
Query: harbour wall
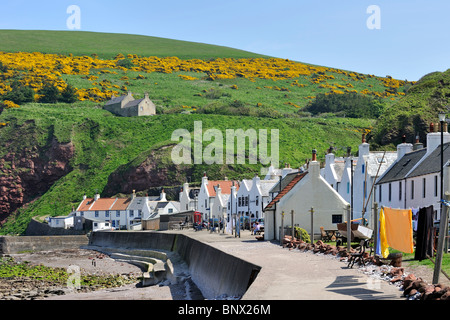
215	272
12	245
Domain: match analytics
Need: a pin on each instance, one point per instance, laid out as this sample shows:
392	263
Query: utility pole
442	235
375	226
312	225
349	230
292	224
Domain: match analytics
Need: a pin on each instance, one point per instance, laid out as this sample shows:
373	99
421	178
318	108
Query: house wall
110	215
146	108
204	200
310	192
417	198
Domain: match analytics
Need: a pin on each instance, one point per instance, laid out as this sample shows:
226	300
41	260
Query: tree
50	93
69	94
351	105
19	94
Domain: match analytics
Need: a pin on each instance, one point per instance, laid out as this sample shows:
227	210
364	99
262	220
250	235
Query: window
96	214
106	214
170	210
336	218
363	167
257	200
379	195
399	190
412	189
390	192
348	187
131	213
424	187
206	203
117	214
435	186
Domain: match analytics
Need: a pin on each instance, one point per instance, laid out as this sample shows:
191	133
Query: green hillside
104	143
413	114
223	88
107	45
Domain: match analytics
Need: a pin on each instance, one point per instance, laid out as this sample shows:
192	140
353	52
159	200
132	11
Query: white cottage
188	198
207	194
369	167
61	222
413	181
305	191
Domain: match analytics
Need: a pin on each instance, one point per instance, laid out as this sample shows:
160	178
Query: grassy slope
119	141
414	113
107	45
104	142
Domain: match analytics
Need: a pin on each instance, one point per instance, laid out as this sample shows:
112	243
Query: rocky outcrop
152	170
29	172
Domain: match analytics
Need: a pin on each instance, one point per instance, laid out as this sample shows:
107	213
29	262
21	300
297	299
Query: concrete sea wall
11	245
215	272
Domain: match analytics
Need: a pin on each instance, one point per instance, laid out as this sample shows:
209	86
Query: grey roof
115	100
374	161
137	203
404	165
133	103
284	182
432	163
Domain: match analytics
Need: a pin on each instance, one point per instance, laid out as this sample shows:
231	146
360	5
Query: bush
301	233
69	94
19	94
50	94
125	63
351	105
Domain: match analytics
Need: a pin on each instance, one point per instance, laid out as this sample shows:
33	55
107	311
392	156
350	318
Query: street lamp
443	215
442	120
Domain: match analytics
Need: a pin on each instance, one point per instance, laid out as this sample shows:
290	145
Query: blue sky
412	41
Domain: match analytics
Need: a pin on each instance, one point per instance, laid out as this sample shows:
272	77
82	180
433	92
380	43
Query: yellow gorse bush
36	68
9	104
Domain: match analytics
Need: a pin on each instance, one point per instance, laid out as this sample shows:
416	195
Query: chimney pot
363	140
314	155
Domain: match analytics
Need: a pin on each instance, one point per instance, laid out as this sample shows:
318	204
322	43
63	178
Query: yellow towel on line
396	230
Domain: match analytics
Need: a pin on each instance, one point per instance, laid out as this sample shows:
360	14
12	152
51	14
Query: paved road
295	275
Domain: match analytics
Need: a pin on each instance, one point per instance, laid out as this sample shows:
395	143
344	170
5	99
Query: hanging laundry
396	230
424	236
415	217
383	246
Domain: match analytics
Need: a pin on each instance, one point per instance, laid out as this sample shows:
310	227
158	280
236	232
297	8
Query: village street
296	275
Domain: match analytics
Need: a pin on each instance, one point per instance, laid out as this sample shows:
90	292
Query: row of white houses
408	178
117	213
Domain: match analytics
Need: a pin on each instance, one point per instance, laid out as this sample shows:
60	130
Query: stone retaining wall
11	245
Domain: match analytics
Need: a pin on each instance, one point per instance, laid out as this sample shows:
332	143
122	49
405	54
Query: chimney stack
403	148
417	145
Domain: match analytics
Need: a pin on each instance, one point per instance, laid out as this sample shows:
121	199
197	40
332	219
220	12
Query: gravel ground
93	262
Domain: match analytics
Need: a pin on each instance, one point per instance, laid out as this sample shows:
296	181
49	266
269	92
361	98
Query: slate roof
133	103
432	163
288	187
284	182
403	166
115	100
